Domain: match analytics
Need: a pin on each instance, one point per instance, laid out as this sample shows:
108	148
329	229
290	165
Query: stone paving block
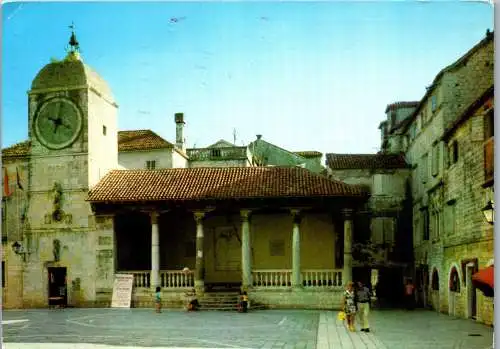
273	329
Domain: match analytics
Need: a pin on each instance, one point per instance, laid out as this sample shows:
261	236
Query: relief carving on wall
227	251
57	212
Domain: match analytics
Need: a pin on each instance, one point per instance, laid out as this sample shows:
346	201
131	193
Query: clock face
57	123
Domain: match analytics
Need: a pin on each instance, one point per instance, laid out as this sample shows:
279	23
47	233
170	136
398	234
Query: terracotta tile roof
18	149
398	105
141	140
309	153
365	161
188	184
127	141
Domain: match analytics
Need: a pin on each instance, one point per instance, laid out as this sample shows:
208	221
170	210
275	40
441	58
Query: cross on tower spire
74	46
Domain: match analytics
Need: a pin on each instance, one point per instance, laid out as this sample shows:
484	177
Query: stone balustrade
168	278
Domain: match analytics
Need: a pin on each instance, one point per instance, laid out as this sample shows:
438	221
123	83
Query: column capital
245	214
347	213
198	216
154	216
296	215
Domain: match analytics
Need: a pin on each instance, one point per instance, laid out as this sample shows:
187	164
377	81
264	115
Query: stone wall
298	298
219	163
137	159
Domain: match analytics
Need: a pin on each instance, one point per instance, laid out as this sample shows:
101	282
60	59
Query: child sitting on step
193	303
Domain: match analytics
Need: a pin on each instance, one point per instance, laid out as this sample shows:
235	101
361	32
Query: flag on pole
6	188
18	179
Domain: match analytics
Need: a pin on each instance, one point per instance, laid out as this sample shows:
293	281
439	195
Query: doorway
57	287
471	292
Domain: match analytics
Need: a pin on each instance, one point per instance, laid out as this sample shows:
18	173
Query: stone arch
435	279
454	278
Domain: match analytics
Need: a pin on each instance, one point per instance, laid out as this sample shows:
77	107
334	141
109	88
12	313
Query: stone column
199	277
347	272
246	250
155	251
296	272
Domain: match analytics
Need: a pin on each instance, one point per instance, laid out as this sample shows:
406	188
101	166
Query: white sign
122	291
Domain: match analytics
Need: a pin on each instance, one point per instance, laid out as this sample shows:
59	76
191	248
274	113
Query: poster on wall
122	291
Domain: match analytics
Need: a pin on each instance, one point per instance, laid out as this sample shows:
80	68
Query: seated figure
193	303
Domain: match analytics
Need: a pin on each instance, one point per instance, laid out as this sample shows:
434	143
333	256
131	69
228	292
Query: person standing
363	298
409	295
349	306
158	299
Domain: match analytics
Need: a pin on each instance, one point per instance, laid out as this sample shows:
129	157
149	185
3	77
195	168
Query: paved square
271	329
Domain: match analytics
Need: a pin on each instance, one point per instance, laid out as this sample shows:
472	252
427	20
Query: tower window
151	164
104	130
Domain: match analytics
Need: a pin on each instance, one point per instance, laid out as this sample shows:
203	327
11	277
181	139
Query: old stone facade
444	180
381	244
447	139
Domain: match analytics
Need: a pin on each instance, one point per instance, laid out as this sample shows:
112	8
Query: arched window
454	280
435	280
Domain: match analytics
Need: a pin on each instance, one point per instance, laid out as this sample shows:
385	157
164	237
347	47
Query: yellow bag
341	316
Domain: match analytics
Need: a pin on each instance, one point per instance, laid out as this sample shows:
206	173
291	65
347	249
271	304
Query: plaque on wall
122	291
227	249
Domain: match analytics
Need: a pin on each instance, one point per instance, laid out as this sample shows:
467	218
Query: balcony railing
168	278
262	278
311	278
227	153
489	160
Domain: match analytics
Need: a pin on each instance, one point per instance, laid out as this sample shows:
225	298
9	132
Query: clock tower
73	134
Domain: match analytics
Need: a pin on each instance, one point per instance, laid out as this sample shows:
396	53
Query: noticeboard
122	291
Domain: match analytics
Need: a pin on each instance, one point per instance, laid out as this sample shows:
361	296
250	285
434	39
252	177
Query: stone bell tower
73	134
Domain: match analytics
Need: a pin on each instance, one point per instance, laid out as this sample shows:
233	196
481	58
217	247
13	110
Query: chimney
179	131
259	137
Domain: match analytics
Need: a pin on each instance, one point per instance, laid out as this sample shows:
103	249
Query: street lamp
489	212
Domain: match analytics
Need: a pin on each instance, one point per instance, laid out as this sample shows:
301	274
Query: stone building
84	201
468	188
381	230
446	181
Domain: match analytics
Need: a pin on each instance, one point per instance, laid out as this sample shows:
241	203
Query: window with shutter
435	160
389	230
424	168
377	228
425	221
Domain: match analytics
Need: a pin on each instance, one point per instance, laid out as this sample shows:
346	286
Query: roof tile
365	161
127	141
18	149
309	153
141	140
188	184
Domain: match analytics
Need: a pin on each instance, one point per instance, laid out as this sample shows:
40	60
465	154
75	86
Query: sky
304	75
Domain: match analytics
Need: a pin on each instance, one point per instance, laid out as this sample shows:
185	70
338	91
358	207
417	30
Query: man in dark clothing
363	304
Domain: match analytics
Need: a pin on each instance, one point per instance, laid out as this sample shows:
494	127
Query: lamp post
489	212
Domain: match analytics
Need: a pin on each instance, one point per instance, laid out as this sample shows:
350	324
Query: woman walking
349	305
